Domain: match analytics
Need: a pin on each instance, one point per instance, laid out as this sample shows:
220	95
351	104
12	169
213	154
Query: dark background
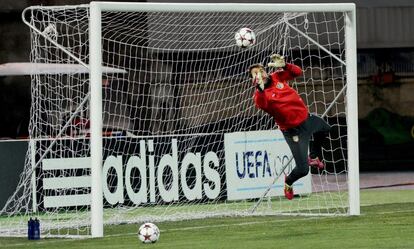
385	78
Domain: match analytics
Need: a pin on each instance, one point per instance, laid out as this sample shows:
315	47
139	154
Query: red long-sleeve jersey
281	101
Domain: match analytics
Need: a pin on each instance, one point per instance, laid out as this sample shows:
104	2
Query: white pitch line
398	211
220	225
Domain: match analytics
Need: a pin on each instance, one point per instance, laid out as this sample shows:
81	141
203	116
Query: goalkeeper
274	96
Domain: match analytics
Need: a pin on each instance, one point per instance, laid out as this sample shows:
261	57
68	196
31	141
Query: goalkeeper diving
274	96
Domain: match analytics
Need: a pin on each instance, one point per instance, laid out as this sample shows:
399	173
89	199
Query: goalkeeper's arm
278	61
259	76
258	81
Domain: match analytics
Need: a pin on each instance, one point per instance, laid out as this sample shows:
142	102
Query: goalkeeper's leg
298	141
300	154
320	130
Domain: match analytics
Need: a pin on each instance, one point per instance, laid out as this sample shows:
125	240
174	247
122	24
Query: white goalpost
159	122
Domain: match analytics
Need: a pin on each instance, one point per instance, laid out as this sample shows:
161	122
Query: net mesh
173	84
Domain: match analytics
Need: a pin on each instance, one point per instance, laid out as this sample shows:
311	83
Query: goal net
181	137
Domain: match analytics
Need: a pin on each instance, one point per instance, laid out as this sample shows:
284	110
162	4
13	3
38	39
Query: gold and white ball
245	38
148	233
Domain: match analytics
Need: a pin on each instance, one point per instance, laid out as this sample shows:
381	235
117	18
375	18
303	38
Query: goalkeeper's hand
278	61
258	80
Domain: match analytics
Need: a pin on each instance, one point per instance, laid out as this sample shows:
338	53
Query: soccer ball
148	233
245	38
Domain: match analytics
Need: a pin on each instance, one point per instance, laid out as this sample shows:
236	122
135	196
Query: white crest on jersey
279	85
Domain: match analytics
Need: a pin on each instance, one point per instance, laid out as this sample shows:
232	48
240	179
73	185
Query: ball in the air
245	38
148	233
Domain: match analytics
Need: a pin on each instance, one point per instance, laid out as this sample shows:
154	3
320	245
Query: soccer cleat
316	163
288	192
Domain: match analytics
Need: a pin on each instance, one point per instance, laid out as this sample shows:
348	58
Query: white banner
192	175
251	160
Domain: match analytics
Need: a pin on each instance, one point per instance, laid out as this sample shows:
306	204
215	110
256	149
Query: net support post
95	75
32	145
352	112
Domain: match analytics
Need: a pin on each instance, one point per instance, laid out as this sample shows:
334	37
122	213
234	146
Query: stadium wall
12	156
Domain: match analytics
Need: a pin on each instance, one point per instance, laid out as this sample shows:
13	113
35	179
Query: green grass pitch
386	221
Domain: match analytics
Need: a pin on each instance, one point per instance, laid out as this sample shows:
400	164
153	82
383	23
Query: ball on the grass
148	233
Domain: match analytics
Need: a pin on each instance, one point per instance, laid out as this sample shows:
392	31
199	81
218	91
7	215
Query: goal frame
96	69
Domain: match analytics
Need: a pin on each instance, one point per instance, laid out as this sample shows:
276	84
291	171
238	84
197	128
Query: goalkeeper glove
258	80
278	61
